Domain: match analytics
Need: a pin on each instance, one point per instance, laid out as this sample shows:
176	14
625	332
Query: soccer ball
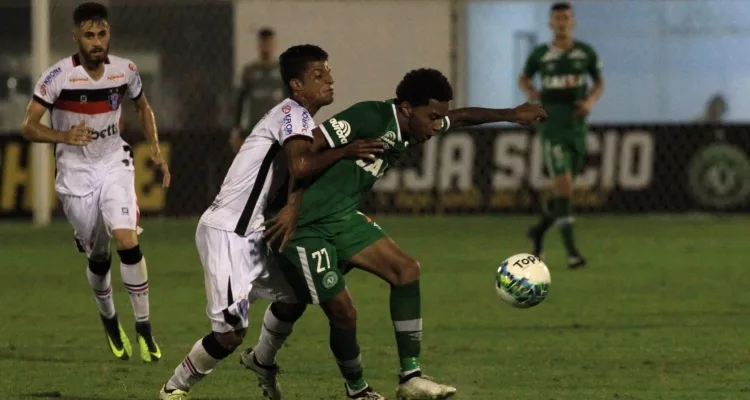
522	280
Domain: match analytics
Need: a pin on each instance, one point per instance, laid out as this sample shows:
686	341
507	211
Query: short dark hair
293	62
90	12
560	6
421	85
266	33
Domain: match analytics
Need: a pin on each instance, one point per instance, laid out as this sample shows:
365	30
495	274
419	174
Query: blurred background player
95	173
563	66
261	88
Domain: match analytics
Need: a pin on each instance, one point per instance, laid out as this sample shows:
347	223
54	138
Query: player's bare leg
202	359
135	278
387	260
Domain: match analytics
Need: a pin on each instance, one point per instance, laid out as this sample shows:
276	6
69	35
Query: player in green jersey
330	230
563	65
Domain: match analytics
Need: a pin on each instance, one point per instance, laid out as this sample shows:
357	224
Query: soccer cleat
576	261
366	394
422	387
118	341
267	376
150	351
175	394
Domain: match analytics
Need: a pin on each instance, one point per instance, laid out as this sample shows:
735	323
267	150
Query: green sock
345	348
406	314
565	221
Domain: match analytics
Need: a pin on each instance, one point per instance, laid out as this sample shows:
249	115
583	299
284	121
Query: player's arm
45	94
308	157
597	89
526	114
33	130
526	79
148	121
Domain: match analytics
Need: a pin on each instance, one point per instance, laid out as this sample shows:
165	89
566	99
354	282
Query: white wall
371	44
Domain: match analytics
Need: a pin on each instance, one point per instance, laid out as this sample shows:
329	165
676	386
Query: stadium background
647	318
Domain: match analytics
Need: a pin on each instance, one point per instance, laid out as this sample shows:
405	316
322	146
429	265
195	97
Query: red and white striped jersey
72	96
259	171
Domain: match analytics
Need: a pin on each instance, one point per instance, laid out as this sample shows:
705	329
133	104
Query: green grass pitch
663	312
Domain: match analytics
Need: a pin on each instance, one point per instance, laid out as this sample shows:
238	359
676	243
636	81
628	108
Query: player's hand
365	149
159	160
235	140
282	226
78	135
583	108
528	114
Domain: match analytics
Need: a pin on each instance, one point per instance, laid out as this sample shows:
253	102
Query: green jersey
260	91
564	79
336	194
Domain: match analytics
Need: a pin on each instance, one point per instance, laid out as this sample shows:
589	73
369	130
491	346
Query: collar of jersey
395	117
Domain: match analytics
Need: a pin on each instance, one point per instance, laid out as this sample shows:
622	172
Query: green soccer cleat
118	341
150	351
422	387
175	394
267	376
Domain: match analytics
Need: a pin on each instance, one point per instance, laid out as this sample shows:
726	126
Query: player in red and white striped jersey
95	176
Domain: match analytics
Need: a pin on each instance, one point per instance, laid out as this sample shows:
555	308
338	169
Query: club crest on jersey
286	109
114	100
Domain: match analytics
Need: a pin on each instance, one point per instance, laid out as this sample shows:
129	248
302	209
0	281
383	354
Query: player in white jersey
94	166
230	234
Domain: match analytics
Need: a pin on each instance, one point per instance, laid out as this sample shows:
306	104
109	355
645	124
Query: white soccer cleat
267	377
176	394
423	388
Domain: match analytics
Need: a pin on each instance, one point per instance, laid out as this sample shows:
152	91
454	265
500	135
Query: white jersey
243	196
71	96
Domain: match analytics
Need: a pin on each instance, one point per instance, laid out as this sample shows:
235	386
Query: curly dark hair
560	6
421	85
90	12
293	62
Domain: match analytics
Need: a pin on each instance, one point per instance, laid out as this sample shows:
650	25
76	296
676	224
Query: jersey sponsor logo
55	72
286	109
389	139
719	176
563	81
114	77
111	130
288	124
78	80
43	90
132	67
305	121
114	100
578	54
342	129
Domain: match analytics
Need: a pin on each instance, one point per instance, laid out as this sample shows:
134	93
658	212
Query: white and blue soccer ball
523	280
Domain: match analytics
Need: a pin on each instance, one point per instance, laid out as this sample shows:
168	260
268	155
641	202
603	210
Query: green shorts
310	261
564	155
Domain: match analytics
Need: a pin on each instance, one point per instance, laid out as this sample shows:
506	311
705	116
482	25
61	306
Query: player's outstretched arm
148	123
308	158
526	114
33	130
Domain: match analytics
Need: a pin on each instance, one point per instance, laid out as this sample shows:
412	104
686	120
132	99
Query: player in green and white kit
330	230
563	65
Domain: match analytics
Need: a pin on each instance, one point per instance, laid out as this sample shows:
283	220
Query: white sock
102	285
273	334
135	279
194	367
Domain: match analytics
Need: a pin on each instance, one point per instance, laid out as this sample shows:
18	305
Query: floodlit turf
662	313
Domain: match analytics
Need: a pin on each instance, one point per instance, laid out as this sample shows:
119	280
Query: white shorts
94	216
237	271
